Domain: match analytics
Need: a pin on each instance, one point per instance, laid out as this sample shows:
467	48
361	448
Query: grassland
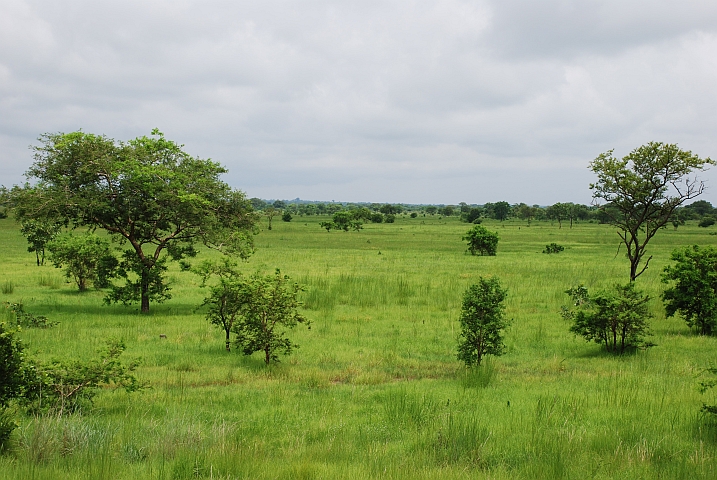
375	390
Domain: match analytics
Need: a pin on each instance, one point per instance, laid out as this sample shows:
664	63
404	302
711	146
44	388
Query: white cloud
421	101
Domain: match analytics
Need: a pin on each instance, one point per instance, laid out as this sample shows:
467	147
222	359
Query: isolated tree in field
287	216
86	258
270	308
643	189
146	193
226	297
270	213
616	319
38	234
481	241
482	321
693	294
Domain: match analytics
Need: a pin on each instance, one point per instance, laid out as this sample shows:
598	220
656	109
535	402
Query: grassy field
375	390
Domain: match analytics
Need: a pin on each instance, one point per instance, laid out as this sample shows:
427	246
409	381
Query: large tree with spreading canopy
147	193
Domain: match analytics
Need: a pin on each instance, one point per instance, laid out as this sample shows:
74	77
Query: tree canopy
643	189
147	193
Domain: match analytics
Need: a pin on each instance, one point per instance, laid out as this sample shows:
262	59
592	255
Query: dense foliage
482	321
693	287
85	258
616	319
481	241
146	193
269	306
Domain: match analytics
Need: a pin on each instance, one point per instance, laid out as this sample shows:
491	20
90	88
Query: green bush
482	321
553	248
706	222
616	319
481	241
27	319
694	292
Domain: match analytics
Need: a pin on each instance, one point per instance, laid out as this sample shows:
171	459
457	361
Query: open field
375	390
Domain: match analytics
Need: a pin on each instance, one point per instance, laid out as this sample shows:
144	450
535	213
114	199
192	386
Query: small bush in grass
616	319
7	287
58	387
481	241
27	319
706	222
553	248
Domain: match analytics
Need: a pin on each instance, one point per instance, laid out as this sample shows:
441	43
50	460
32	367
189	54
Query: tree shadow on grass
99	309
601	352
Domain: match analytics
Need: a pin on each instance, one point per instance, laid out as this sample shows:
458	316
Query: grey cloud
435	101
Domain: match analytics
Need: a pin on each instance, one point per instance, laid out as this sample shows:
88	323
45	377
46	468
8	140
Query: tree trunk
633	268
267	356
145	290
228	344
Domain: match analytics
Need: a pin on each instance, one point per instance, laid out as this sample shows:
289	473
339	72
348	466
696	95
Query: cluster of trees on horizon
700	210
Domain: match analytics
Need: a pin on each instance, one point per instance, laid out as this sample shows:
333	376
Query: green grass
375	391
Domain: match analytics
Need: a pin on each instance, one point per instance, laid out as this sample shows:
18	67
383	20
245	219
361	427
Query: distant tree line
562	213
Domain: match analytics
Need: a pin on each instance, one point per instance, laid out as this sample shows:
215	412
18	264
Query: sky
369	101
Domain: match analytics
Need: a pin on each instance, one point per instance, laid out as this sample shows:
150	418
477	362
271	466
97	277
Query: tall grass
375	390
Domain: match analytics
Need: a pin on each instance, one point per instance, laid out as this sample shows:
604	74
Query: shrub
694	293
7	287
481	241
86	258
286	217
482	321
553	248
59	387
414	214
11	379
267	306
706	222
616	319
27	319
11	365
390	218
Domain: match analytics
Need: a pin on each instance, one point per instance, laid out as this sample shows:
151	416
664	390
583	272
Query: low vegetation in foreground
374	389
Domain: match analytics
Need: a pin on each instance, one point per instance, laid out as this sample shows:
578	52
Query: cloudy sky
383	101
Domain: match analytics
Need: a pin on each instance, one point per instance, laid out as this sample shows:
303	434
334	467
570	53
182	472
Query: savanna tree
643	190
147	193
